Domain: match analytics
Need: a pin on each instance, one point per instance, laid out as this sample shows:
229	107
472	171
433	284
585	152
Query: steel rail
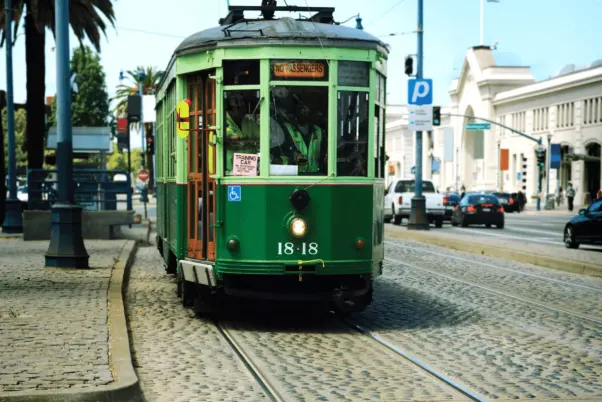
446	255
557	310
451	383
265	385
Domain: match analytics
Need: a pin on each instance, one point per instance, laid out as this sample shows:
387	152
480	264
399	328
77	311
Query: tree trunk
35	57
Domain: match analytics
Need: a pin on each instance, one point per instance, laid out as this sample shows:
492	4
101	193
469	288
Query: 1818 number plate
289	248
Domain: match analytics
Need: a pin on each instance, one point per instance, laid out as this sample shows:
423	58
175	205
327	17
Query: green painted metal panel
337	217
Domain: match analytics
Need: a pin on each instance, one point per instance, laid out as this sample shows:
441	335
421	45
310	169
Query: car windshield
408	186
482	199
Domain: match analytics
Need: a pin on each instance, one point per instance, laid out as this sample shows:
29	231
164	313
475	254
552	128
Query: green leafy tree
149	86
20	125
90	104
119	160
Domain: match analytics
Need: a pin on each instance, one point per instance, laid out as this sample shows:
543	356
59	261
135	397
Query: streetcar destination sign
299	69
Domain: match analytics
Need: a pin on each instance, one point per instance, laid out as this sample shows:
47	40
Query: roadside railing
94	189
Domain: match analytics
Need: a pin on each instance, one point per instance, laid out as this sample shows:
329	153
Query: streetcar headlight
298	227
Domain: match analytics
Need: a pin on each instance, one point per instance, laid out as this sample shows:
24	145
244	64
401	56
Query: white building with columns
565	109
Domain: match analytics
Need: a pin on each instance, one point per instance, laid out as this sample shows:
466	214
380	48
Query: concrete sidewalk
63	333
548	256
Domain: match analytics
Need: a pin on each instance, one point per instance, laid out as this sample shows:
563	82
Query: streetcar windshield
299	131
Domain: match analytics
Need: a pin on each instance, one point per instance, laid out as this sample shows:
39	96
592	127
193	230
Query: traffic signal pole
540	151
418	219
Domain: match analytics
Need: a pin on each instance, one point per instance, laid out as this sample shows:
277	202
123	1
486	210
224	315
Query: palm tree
85	20
149	87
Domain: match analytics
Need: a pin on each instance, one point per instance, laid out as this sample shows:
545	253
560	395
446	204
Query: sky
543	34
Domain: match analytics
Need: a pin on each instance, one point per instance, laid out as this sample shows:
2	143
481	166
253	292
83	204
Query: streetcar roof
271	32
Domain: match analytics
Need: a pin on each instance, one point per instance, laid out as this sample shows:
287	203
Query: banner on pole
504	159
555	156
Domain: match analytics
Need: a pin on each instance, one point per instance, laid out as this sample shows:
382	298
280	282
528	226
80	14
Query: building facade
565	109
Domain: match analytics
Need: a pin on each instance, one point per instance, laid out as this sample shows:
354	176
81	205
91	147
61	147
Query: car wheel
569	238
439	223
398	219
463	223
500	225
488	225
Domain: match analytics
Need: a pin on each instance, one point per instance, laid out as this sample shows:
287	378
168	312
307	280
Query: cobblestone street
501	329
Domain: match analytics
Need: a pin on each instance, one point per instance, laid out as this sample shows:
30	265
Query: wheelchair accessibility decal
234	194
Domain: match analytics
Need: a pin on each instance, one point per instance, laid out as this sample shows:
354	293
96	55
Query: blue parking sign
234	194
420	92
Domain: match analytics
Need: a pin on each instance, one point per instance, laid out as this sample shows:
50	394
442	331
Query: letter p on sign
420	92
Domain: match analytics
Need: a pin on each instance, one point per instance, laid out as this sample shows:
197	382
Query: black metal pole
13	220
66	248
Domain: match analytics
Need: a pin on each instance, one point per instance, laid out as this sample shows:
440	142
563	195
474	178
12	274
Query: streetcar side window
299	131
352	139
242	132
241	72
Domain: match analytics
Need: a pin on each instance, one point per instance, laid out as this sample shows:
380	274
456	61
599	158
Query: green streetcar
270	161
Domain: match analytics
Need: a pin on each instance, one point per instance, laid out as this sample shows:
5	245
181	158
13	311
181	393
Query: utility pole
418	219
66	248
13	221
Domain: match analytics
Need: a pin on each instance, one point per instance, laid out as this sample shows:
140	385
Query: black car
450	201
508	201
479	209
585	228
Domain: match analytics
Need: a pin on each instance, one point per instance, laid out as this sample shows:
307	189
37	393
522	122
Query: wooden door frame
198	175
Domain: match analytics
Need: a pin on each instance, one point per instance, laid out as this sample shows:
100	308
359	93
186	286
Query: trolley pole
66	248
13	221
418	219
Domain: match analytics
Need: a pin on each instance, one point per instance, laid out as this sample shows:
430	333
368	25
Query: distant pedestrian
520	199
570	195
599	194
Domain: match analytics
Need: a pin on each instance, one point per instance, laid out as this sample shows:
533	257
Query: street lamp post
13	221
141	77
418	219
66	248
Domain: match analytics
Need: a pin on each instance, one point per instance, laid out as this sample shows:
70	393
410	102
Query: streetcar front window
242	132
299	131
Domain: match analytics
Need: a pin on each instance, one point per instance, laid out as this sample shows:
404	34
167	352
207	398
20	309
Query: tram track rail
486	264
596	320
416	362
268	389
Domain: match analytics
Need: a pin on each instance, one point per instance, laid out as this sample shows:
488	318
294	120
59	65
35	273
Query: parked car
398	198
508	202
585	228
450	201
479	209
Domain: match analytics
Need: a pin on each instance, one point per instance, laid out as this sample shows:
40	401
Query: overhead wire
386	12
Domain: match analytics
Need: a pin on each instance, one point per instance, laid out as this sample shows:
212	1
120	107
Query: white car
398	198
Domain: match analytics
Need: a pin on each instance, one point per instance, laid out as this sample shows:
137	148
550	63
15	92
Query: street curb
559	264
126	387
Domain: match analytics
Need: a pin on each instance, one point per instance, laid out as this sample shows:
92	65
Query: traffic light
409	65
436	115
541	156
150	144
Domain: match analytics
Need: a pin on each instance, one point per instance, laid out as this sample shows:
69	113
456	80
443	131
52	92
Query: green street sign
478	126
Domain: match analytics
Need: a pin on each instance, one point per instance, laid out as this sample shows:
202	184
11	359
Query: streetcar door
201	165
195	170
